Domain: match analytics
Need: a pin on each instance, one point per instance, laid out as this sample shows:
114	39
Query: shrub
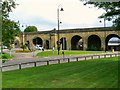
23	47
4	56
22	51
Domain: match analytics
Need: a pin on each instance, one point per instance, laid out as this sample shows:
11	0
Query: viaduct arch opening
113	46
76	43
94	43
37	41
17	44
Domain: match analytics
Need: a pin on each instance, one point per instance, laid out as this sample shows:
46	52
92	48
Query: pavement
30	57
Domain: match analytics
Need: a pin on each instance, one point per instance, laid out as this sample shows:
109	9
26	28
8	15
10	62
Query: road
28	57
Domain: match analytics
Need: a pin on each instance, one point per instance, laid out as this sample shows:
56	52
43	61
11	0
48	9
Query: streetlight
61	9
54	36
105	31
23	34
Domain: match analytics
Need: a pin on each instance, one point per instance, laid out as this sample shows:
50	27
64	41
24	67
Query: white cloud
43	13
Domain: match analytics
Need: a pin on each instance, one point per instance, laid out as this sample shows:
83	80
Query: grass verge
6	56
98	73
66	52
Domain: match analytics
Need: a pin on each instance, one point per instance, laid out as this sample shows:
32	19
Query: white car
39	47
4	47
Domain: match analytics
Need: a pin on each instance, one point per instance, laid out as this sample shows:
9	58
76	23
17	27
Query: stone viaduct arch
37	41
75	39
17	42
76	42
94	42
108	38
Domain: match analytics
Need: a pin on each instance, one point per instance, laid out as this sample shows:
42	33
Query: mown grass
98	73
66	52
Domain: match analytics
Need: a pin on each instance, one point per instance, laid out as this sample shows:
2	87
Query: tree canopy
112	11
7	6
10	28
31	29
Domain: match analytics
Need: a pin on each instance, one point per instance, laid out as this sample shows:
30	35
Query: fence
55	61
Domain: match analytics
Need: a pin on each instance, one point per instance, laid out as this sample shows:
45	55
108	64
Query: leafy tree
7	6
31	29
112	11
10	29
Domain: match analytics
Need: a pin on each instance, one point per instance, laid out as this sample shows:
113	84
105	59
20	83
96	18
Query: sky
43	14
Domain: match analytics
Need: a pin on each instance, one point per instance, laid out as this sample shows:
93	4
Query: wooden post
20	66
110	55
47	62
58	61
68	60
98	56
105	56
76	59
1	69
85	57
91	57
35	64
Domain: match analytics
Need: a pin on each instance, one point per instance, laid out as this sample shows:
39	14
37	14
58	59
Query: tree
7	6
112	11
10	29
31	29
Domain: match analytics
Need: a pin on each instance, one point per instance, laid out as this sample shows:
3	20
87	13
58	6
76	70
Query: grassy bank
98	73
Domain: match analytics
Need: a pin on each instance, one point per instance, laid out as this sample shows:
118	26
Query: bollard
113	50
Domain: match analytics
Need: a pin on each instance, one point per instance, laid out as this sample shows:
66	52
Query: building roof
114	43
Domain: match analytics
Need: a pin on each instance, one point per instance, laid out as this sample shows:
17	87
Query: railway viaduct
73	39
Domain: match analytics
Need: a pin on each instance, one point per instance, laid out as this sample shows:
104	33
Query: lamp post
54	36
61	9
105	31
23	34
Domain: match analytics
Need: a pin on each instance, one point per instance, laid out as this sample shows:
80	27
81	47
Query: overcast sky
43	14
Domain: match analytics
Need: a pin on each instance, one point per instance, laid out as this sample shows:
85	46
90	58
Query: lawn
66	52
98	73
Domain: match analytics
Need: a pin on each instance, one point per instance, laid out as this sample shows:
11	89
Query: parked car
39	47
4	47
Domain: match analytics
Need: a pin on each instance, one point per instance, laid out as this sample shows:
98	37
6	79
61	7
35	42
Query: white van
39	47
